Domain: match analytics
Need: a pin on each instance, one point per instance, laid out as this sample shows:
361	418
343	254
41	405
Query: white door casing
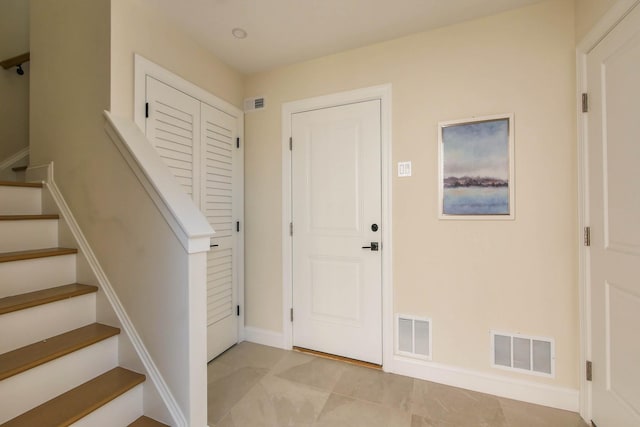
199	137
612	212
336	200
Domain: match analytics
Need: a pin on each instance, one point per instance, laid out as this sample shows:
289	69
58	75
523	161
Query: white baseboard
264	337
526	391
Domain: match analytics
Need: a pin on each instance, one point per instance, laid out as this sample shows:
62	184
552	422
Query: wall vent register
521	353
253	104
413	336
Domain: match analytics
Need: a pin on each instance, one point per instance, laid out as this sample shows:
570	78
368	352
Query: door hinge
146	110
585	103
291	312
237	142
290	143
237	310
290	229
587	236
589	371
238	226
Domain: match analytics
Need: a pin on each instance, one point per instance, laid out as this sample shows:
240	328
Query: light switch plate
404	169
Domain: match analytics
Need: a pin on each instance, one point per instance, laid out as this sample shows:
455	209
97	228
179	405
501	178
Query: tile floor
253	386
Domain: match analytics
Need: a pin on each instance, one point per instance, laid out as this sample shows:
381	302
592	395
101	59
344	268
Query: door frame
598	32
143	68
383	94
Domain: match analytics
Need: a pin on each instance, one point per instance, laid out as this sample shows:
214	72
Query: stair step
28	232
35	253
45	296
19	198
147	422
80	401
20	184
19	168
23	392
22	359
36	274
27	217
41	322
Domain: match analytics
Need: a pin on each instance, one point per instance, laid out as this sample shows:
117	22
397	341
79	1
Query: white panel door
173	127
220	159
613	77
336	200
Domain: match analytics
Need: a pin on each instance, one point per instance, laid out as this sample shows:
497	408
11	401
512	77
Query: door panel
219	132
173	127
614	209
336	197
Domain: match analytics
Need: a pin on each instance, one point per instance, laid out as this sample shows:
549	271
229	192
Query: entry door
198	143
613	70
336	211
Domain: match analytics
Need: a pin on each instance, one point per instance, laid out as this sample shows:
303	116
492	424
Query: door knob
373	247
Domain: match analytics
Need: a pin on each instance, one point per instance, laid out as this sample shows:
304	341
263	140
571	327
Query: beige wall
70	88
469	276
588	12
139	28
14	89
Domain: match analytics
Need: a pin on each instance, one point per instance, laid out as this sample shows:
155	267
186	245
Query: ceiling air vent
253	104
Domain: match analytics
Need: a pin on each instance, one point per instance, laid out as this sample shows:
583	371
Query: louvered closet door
198	143
173	127
219	171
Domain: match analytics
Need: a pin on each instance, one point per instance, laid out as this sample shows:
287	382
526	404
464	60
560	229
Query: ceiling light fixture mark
239	33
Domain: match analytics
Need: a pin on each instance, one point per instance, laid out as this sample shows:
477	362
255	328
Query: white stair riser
121	411
31	325
31	388
20	200
19	277
28	234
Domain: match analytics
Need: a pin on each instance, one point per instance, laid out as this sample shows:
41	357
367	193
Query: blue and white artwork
475	168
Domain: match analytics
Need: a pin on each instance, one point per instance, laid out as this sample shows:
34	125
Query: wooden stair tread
27	217
146	422
35	253
30	356
44	296
21	184
80	401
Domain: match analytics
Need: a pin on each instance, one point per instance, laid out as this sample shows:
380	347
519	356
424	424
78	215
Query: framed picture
476	168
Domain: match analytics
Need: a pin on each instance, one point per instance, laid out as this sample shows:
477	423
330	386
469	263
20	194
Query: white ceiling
287	31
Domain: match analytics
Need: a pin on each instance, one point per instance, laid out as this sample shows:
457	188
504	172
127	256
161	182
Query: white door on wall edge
219	204
336	212
173	127
613	80
198	143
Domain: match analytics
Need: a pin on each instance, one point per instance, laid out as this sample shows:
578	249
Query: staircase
58	367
